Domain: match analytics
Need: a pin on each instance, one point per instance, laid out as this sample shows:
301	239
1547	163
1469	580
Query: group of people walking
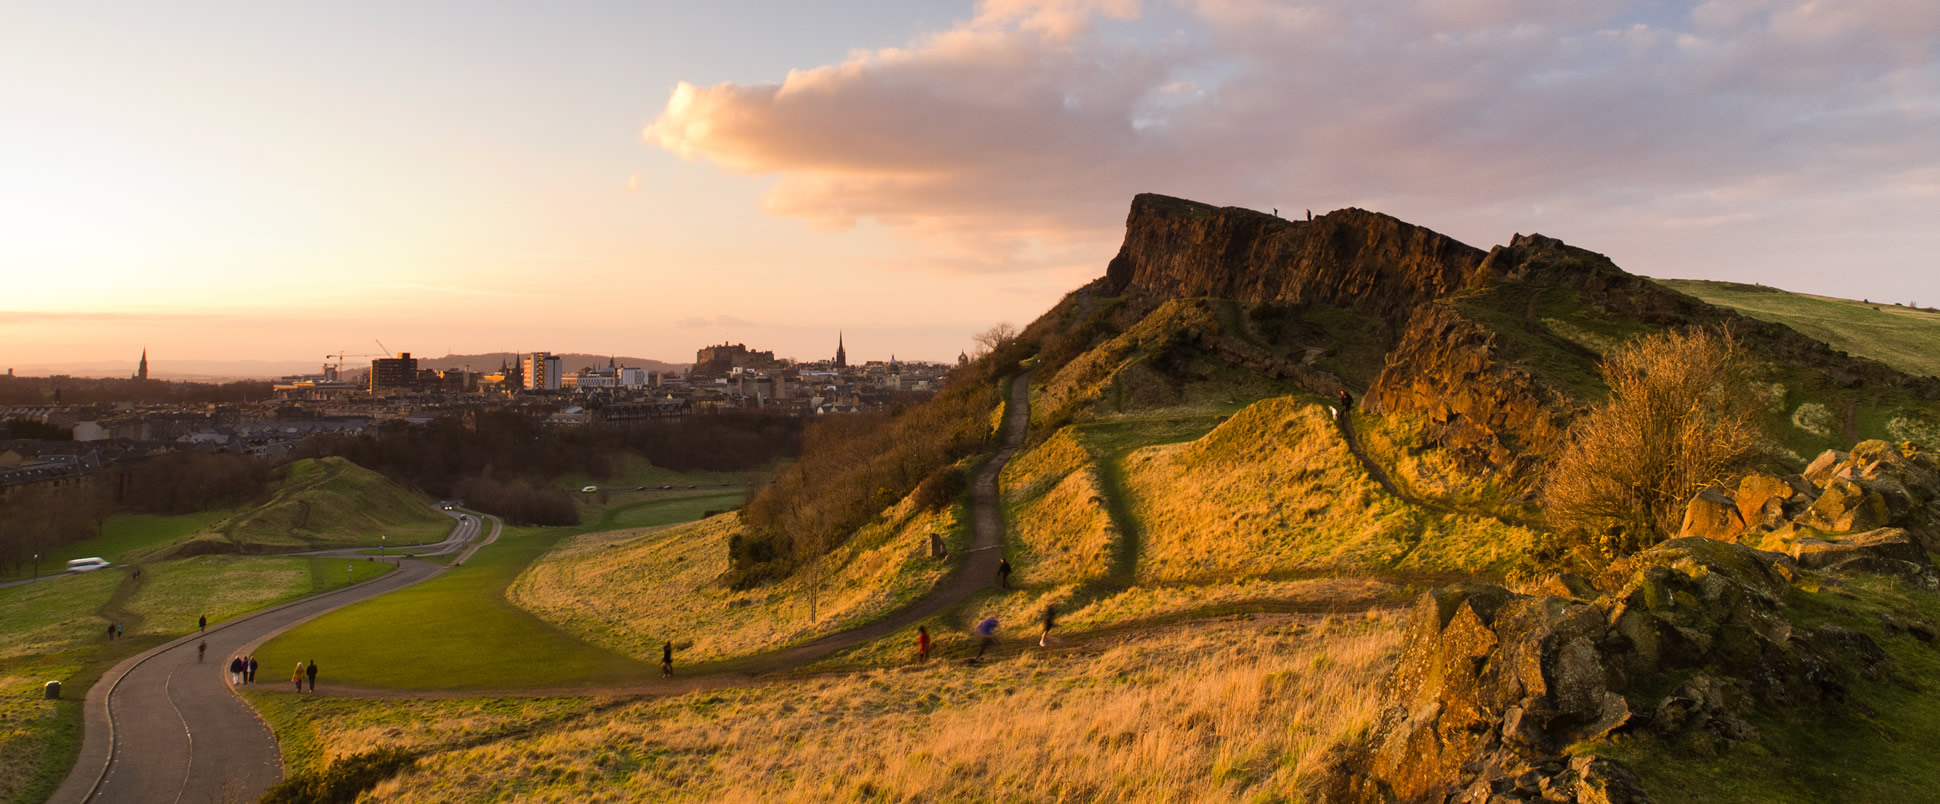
242	670
302	672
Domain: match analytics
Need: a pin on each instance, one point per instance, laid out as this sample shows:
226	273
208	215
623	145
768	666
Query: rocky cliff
1358	259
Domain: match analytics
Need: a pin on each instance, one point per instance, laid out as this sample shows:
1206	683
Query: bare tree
1681	415
996	337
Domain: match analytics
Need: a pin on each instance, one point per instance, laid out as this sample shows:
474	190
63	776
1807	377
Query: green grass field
333	502
126	538
454	632
1900	337
56	629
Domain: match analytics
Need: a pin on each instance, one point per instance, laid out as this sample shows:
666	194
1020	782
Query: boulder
1712	514
1886	551
1761	500
1822	468
1846	506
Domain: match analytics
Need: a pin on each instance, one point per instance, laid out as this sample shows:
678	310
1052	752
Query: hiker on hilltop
987	629
311	672
922	644
667	659
1050	620
1003	572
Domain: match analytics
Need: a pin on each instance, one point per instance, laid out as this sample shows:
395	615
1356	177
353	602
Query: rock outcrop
1496	417
1364	260
1875	509
1492	685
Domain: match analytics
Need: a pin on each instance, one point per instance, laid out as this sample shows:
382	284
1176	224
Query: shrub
344	780
942	487
1681	415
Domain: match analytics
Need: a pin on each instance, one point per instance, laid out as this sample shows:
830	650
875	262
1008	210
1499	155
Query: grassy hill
1901	337
333	502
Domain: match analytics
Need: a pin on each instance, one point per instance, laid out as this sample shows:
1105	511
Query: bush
519	501
943	487
344	780
1681	415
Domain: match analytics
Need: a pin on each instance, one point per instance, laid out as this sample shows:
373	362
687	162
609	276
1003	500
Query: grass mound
1274	488
331	501
630	590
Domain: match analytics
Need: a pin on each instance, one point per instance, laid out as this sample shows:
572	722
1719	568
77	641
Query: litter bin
53	690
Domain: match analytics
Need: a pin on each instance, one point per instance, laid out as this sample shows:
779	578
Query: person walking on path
251	661
667	659
296	677
201	650
988	631
235	670
1003	572
111	631
202	623
1346	402
922	644
1050	620
311	671
120	631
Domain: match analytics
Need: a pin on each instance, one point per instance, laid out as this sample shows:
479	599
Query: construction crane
387	349
330	369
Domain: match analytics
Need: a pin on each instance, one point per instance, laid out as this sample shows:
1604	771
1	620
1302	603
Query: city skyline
243	181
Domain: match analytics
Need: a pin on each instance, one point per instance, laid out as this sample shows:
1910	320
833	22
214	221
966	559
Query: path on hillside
166	727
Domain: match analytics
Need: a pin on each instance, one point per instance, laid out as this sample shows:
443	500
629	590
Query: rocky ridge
1681	643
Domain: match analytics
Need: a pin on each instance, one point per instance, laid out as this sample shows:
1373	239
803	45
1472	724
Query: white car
87	564
589	489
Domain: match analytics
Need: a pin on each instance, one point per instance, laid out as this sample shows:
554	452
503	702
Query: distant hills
1899	336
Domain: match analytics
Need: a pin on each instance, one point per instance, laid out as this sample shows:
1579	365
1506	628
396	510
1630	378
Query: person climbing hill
1003	572
987	629
667	659
922	644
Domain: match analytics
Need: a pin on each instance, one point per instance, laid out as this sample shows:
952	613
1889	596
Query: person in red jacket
922	644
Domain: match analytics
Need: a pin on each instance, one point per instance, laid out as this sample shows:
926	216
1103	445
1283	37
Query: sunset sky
275	181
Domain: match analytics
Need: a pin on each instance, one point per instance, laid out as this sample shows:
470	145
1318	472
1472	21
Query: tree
1681	415
996	337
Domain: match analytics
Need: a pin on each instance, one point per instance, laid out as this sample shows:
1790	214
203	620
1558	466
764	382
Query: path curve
165	727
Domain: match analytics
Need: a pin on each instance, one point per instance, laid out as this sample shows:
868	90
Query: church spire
141	373
841	354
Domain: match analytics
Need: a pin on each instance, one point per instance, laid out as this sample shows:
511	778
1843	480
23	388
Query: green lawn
222	587
125	538
1900	337
665	510
454	632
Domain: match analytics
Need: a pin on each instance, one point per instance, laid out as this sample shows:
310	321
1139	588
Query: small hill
1899	336
320	502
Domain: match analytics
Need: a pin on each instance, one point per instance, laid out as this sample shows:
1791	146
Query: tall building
394	372
542	372
841	355
142	372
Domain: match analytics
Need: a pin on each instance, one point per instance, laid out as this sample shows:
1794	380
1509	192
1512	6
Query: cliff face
1359	259
1497	418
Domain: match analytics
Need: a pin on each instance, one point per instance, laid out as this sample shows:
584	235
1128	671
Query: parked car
589	489
87	564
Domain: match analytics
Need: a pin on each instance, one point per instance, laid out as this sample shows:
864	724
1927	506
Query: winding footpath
165	726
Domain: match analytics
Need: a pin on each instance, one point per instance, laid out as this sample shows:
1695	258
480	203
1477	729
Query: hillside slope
1899	336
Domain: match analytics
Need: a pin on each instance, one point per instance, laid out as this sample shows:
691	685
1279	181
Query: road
166	727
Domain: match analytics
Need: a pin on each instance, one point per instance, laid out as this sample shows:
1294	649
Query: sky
279	181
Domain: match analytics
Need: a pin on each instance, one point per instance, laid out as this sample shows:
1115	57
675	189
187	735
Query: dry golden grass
1274	488
1037	469
629	590
1240	711
1063	535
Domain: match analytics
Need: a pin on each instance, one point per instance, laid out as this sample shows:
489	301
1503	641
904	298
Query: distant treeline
93	390
853	467
506	462
39	518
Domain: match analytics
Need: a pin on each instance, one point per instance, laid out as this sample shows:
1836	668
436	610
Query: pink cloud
1014	140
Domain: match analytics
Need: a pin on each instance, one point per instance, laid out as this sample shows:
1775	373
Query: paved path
165	727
